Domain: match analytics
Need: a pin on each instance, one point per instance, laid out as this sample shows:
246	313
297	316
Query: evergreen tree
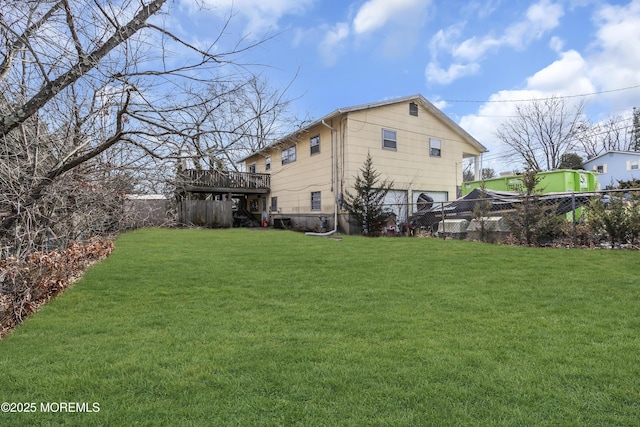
571	161
488	173
365	205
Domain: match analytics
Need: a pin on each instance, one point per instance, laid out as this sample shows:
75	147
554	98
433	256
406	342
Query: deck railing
225	179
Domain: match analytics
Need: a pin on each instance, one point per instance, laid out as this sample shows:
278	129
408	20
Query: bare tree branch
91	111
542	132
20	40
86	63
72	29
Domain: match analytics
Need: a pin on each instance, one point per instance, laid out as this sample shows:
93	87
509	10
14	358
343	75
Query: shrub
581	234
26	284
533	221
608	219
480	212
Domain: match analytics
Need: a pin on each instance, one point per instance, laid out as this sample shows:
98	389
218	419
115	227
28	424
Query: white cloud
482	8
333	42
436	74
392	27
567	75
539	19
474	48
440	104
556	44
542	17
376	14
445	39
616	61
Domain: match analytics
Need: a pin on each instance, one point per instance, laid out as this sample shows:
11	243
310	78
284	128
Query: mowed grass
264	327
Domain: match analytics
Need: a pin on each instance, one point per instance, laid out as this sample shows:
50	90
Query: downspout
335	199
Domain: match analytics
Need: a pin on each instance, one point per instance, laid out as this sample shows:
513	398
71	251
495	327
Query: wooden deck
216	181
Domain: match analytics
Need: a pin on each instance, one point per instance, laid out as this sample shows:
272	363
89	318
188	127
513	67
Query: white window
314	142
267	163
252	168
389	139
435	147
315	201
632	165
600	168
289	155
274	204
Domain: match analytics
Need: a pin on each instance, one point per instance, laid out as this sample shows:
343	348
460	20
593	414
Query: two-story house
615	166
411	142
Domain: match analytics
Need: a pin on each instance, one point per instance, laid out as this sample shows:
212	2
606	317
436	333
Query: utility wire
540	99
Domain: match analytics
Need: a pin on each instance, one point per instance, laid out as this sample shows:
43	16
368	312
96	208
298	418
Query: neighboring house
411	142
614	166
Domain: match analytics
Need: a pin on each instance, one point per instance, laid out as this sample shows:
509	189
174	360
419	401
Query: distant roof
418	98
145	196
632	153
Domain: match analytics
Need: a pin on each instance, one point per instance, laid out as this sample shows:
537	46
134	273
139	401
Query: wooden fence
144	210
207	213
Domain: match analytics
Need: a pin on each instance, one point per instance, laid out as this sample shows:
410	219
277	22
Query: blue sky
470	58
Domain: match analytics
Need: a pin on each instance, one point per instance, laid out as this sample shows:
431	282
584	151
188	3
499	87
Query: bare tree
541	132
98	96
616	133
485	173
232	122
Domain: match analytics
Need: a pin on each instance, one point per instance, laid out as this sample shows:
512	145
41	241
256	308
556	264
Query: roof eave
292	135
417	97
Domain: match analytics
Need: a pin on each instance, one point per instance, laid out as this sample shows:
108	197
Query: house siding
358	133
410	166
616	167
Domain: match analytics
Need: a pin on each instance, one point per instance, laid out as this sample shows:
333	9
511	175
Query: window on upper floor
252	168
389	139
435	147
413	109
315	201
314	142
289	155
633	165
267	163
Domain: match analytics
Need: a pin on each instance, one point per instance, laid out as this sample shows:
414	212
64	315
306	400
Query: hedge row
26	284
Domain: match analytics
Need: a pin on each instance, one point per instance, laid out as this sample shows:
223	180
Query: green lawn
265	327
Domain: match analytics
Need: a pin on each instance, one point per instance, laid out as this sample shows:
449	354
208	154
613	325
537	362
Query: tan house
411	142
